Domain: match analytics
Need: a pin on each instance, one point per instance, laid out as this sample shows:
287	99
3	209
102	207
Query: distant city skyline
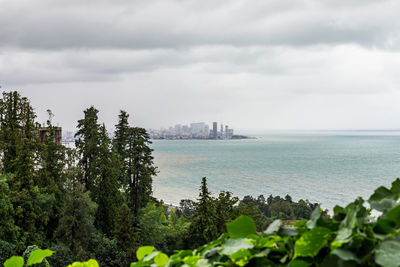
194	130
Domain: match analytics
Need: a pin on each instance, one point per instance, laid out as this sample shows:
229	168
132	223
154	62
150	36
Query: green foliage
203	228
8	230
87	145
62	256
33	256
89	263
140	168
14	261
108	196
6	251
38	255
164	232
52	178
243	226
350	238
76	228
124	232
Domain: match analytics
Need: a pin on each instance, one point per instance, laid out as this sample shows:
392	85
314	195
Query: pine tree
108	195
18	138
124	232
141	168
76	228
225	210
87	146
203	228
8	231
120	143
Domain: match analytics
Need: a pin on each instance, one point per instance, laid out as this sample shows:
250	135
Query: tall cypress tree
141	168
18	137
8	231
108	196
16	121
120	143
76	228
203	228
87	145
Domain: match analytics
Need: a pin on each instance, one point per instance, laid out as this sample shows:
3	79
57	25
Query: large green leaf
388	253
233	245
345	255
383	226
396	187
89	263
315	215
394	215
383	205
161	259
38	255
14	261
273	227
310	243
241	257
144	251
380	193
242	227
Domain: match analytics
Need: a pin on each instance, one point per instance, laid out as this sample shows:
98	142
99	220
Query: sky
287	64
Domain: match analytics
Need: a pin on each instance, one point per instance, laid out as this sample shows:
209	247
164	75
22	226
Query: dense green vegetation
96	201
350	238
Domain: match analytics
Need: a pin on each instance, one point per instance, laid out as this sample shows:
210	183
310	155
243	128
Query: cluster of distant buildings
197	130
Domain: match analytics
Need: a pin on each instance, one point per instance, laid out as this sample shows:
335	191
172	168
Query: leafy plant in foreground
352	237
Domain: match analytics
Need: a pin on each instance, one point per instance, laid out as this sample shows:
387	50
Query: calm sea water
331	168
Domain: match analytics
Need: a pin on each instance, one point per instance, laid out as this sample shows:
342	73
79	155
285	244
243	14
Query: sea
326	167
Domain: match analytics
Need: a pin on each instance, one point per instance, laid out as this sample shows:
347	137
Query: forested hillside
96	201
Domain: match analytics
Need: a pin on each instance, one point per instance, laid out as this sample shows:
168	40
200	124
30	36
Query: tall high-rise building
226	131
222	131
215	130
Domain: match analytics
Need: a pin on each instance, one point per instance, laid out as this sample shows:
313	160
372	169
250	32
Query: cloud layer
253	64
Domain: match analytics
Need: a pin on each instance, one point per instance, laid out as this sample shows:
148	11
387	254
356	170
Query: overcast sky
301	64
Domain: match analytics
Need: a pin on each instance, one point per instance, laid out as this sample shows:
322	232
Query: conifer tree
124	232
141	168
18	139
120	143
51	176
87	146
8	231
76	228
203	228
108	195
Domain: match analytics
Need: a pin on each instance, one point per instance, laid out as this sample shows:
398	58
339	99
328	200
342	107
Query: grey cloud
179	24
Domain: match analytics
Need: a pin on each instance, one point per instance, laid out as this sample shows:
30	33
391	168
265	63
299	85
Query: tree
87	145
153	226
108	195
8	231
225	210
186	208
51	176
124	232
203	228
16	116
120	143
19	144
76	228
140	168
